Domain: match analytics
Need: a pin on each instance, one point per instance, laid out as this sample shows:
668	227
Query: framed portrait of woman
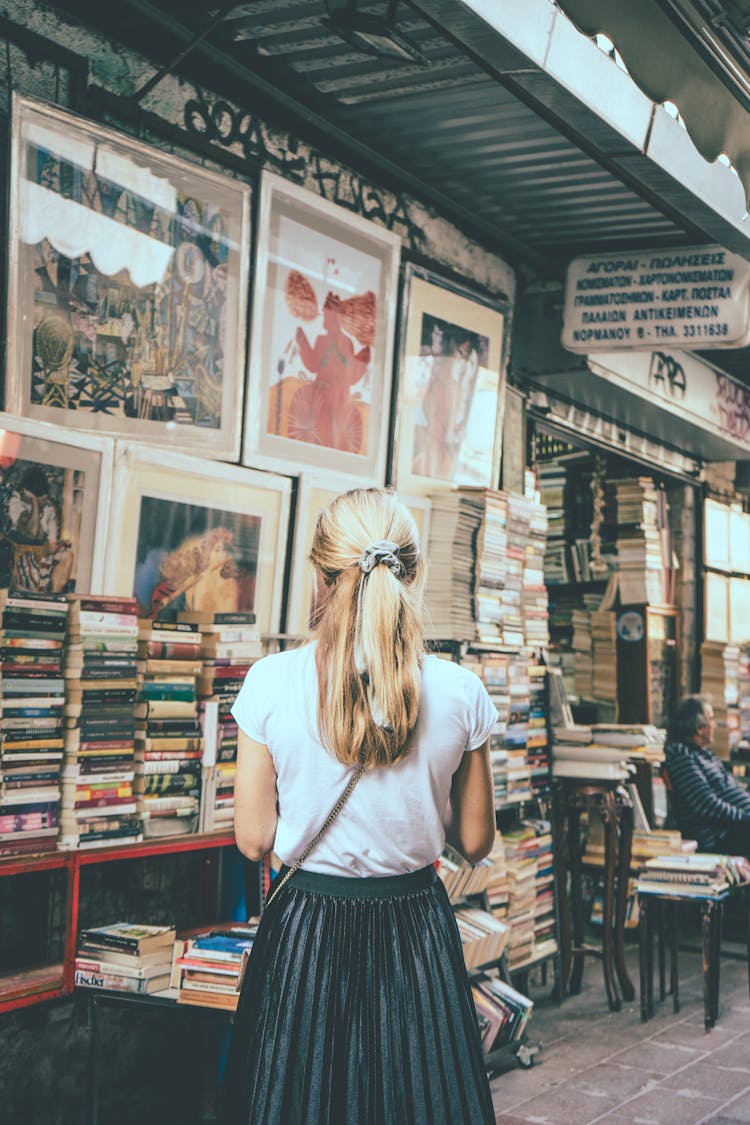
127	287
451	387
54	499
197	536
321	347
314	493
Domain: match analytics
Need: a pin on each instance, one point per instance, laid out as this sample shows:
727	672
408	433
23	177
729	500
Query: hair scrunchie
386	552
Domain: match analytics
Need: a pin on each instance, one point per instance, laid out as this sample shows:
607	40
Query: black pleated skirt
356	1010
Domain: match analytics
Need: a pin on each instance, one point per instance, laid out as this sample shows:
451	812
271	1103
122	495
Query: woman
356	1008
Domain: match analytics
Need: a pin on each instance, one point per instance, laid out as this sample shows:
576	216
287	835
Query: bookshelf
35	984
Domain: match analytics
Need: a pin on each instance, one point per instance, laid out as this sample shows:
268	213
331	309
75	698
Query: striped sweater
706	798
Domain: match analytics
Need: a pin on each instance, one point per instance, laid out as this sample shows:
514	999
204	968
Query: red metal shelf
30	986
161	845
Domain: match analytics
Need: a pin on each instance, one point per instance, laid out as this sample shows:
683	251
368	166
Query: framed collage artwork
322	337
451	387
127	287
314	493
54	500
197	535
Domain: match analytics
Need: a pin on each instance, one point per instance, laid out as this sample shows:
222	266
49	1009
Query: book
129	937
85	978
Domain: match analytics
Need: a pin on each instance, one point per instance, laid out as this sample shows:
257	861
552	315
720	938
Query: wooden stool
610	801
662	908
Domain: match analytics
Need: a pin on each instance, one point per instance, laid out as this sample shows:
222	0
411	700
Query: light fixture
376	35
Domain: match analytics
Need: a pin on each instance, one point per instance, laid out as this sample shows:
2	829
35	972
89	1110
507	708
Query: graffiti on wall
223	124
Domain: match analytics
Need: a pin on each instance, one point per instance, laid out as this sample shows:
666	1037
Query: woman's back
393	821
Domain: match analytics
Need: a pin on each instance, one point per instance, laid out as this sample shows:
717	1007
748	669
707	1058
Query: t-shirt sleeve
252	705
481	713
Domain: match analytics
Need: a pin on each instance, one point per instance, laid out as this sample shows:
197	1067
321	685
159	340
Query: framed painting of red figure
451	387
197	535
322	337
127	286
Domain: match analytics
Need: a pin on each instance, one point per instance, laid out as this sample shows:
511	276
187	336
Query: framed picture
716	627
54	500
451	387
739	611
322	337
314	493
127	289
197	535
716	535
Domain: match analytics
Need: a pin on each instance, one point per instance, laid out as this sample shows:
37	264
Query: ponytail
369	634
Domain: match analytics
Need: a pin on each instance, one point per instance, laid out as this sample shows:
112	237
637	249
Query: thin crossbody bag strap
279	883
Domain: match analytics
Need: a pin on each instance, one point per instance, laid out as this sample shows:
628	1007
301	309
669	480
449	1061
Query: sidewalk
600	1066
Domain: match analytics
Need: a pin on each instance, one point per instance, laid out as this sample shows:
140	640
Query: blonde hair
369	633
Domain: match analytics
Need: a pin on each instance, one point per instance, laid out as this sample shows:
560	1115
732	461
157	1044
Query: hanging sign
688	299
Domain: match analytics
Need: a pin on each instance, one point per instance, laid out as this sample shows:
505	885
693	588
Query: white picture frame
321	351
197	535
72	505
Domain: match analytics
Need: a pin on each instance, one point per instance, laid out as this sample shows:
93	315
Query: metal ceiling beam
502	241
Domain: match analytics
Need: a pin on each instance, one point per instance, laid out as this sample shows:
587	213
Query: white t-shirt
392	822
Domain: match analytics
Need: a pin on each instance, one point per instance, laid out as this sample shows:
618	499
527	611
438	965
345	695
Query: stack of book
720	682
604	638
517	731
583	652
535	602
545	928
461	878
693	876
537	743
590	762
493	670
519	522
498	887
522	861
230	644
125	956
640	741
169	740
483	935
449	599
644	553
490	568
32	631
207	968
551	480
98	804
502	1011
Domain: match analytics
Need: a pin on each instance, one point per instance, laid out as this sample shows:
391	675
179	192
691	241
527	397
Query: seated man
709	804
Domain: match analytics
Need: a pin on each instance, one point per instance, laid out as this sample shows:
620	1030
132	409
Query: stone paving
595	1065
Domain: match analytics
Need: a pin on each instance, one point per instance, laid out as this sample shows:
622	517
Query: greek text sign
689	299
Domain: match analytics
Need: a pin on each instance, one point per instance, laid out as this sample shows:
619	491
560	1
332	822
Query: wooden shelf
38	985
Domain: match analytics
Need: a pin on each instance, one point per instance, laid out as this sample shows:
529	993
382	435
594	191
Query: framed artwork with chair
127	288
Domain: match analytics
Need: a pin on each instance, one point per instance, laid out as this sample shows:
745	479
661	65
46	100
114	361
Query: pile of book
169	740
604	644
230	643
461	878
32	630
693	876
545	927
490	576
483	935
537	748
493	670
522	860
449	598
641	741
207	968
551	480
98	804
645	572
502	1011
519	521
497	891
517	731
125	956
583	651
535	602
720	682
